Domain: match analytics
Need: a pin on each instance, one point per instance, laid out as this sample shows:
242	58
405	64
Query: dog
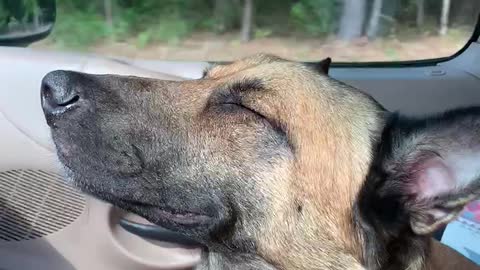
270	164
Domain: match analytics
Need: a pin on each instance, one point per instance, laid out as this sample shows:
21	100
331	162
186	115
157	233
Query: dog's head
267	162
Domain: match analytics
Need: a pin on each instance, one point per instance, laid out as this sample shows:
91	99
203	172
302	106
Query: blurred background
346	30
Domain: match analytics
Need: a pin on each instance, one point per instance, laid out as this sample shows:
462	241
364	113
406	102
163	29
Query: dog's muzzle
60	95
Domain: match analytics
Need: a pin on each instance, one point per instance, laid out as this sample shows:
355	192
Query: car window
346	30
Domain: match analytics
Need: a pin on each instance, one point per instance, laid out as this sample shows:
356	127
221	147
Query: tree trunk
36	12
373	24
420	13
388	23
36	20
444	17
247	21
107	6
353	16
219	14
464	11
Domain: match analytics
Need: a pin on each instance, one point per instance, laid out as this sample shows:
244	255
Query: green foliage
391	54
408	11
315	17
169	30
78	30
82	23
226	14
24	15
19	10
31	7
262	32
273	15
4	16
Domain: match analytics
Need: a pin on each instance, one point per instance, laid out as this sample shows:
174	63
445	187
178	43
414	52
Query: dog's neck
443	257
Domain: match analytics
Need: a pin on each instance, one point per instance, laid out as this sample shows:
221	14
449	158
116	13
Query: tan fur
332	128
279	166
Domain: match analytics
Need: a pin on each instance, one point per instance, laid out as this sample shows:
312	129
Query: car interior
47	224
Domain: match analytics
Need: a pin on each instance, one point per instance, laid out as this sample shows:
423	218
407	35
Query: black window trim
399	64
413	63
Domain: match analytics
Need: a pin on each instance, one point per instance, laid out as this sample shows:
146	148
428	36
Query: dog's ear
425	171
322	66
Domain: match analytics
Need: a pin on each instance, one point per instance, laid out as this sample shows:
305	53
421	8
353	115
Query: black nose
60	93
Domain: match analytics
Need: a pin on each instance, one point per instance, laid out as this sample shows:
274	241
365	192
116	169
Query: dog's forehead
256	61
331	127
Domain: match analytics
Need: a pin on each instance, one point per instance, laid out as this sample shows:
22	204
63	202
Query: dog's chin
196	222
164	216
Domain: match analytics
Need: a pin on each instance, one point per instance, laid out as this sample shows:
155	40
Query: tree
373	24
390	10
315	17
107	7
351	22
420	13
226	14
219	15
32	12
444	17
464	11
247	21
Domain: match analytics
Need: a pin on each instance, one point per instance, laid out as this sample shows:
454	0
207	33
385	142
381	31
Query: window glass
346	30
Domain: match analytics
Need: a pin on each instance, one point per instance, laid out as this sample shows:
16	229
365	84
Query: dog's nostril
60	91
71	101
46	91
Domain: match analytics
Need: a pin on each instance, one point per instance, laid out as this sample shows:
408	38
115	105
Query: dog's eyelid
234	91
277	126
245	85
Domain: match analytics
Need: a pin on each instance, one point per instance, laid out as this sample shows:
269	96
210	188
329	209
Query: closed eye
235	106
230	99
230	96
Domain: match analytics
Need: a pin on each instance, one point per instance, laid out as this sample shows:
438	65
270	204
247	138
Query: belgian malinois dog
270	164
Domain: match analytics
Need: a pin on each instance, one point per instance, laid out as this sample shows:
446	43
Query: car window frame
475	37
